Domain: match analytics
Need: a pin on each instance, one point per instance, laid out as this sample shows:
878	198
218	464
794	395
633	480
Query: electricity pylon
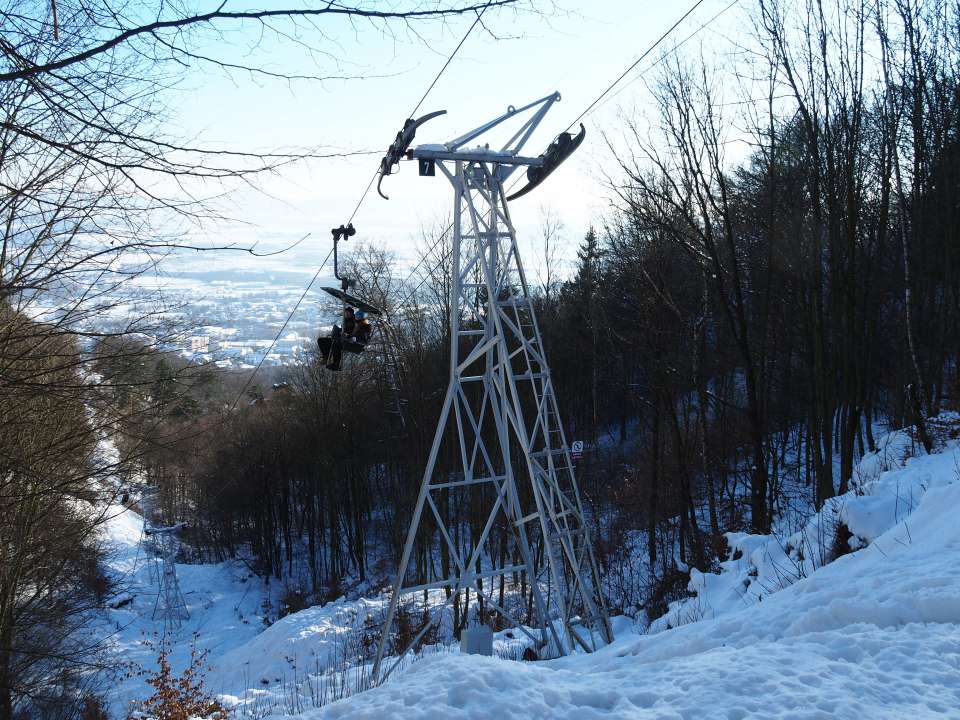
170	604
507	454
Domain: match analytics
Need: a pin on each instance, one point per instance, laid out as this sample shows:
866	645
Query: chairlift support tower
501	409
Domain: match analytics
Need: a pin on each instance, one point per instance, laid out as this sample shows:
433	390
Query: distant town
235	325
231	318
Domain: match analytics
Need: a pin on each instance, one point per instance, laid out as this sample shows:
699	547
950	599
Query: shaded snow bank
887	486
875	633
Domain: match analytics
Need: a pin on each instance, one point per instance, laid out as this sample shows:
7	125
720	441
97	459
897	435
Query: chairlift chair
326	344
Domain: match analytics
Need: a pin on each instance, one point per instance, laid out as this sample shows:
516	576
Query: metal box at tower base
476	640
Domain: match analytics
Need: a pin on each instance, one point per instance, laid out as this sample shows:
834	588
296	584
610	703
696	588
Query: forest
776	279
726	332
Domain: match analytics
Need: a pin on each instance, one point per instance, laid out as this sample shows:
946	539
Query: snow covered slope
885	493
872	634
255	665
224	601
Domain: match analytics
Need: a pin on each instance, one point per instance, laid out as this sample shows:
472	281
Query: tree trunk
653	488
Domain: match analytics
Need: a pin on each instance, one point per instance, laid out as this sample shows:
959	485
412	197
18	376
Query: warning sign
576	450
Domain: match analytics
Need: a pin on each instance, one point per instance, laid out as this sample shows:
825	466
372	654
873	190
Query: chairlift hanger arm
398	149
345	233
521	136
341	233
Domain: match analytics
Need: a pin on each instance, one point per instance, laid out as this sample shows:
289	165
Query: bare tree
95	191
551	248
689	195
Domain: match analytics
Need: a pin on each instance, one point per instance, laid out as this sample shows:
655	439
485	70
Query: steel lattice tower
501	423
170	604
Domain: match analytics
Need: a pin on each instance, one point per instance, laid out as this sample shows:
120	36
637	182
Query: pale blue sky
577	50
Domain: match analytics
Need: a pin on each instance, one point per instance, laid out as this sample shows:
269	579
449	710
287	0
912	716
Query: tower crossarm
483	155
516	143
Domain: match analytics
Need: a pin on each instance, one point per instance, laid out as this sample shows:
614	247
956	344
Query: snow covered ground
884	493
256	664
786	630
224	601
873	634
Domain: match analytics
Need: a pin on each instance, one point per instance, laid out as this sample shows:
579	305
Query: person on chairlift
349	323
331	348
364	329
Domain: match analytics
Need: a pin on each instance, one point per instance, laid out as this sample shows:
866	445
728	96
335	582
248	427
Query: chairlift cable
283	327
450	58
407	298
582	115
636	62
356	209
417	107
423	97
363	197
252	375
675	48
246	385
579	117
